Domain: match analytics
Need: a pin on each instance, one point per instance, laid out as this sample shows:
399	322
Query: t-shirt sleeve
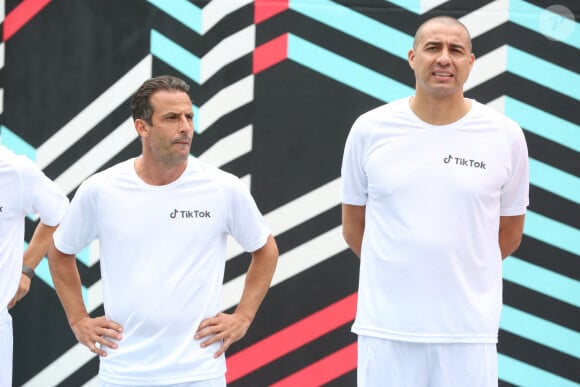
244	221
80	224
515	193
353	177
41	195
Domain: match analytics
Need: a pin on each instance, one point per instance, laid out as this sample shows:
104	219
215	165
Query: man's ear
411	59
141	127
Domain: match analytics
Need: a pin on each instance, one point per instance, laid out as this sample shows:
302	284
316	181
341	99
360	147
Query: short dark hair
447	20
141	106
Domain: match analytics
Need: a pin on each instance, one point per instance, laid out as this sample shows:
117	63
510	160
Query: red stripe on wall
291	338
270	53
22	15
324	370
265	9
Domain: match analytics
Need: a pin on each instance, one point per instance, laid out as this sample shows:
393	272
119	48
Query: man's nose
443	58
185	124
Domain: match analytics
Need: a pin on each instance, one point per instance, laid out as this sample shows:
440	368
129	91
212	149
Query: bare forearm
67	283
508	248
38	245
353	226
229	328
258	279
510	234
354	241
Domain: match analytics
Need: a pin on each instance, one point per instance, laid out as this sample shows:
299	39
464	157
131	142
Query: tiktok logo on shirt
189	214
1	209
464	162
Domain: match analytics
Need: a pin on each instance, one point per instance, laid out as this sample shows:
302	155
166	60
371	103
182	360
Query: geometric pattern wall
276	85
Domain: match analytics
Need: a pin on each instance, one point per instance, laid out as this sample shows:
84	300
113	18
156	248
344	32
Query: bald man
434	194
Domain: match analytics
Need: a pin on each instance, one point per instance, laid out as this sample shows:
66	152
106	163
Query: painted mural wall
276	85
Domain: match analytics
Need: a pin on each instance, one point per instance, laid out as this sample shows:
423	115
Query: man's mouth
182	141
442	74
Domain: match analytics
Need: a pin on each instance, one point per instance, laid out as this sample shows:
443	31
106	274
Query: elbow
347	235
353	240
509	247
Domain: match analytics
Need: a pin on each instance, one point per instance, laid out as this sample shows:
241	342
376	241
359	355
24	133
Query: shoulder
16	161
510	132
384	120
494	117
386	110
392	112
102	179
21	166
212	174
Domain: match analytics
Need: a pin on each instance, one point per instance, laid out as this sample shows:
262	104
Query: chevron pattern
276	85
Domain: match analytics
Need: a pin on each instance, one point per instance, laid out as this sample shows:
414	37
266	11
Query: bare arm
258	279
67	283
231	328
511	229
32	256
353	226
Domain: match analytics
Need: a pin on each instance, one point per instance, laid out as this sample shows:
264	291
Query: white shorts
6	344
217	382
405	364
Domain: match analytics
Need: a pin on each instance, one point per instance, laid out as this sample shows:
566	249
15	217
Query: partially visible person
434	194
162	219
24	189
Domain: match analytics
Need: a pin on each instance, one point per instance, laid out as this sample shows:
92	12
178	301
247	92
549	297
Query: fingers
114	328
97	334
208	322
224	347
96	349
223	328
22	291
99	344
19	296
212	326
217	338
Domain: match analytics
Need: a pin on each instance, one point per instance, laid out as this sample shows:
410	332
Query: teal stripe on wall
16	144
540	330
555	180
529	16
42	271
182	11
356	25
83	256
543	124
175	56
543	72
552	232
345	71
542	280
410	5
522	374
195	117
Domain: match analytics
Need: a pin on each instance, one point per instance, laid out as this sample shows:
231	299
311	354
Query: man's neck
153	173
436	110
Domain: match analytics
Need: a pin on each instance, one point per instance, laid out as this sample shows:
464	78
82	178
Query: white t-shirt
430	260
163	252
24	189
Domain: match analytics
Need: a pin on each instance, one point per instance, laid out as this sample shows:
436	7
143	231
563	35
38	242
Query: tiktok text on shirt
189	214
464	162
